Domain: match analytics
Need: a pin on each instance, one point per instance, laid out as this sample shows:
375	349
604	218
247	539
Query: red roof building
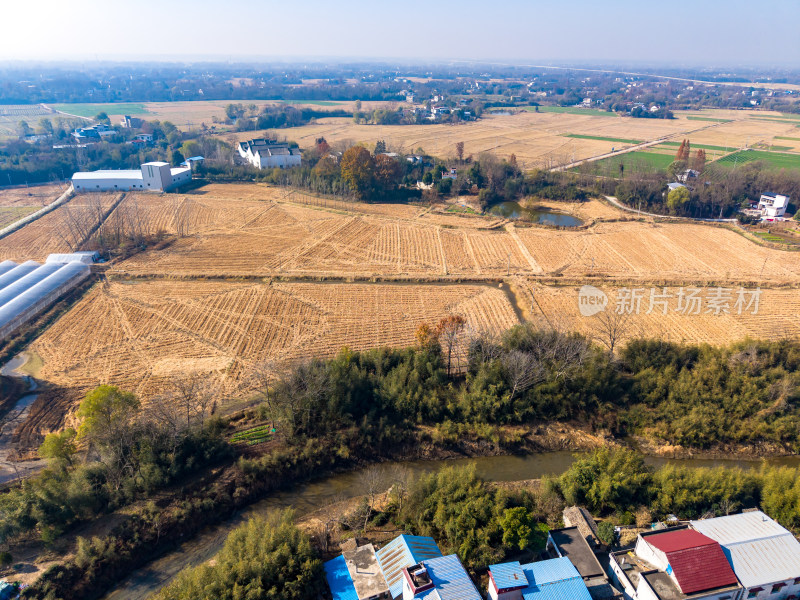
695	561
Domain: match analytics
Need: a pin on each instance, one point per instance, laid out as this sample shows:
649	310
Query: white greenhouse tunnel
29	288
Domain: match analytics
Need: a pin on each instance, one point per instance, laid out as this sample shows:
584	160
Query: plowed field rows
139	334
778	316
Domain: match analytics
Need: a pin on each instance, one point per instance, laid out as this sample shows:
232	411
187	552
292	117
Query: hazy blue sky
735	32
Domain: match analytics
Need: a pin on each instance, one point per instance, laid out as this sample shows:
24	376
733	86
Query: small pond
514	210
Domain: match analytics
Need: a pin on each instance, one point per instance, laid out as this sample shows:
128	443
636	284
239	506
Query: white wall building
153	176
765	557
266	154
773	205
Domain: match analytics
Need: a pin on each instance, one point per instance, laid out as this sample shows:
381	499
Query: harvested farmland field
17	203
777	316
138	334
64	229
278	235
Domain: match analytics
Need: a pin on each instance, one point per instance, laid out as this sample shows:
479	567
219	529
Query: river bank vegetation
454	390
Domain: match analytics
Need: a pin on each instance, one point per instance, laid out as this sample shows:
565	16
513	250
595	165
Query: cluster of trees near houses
466	388
717	192
22	162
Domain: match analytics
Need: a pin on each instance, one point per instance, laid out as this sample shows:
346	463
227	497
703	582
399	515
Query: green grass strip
782	137
776	160
600	138
694	146
572	110
91	110
693	118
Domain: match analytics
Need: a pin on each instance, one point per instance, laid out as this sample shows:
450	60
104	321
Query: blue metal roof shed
401	552
508	576
339	580
555	579
450	580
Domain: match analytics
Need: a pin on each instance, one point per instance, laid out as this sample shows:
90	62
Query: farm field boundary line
63	198
550	280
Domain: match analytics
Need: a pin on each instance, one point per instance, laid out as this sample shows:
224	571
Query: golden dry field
16	203
248	230
541	139
254	272
777	317
191	114
61	230
139	334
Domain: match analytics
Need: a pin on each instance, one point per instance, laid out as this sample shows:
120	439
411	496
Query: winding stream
309	497
15	417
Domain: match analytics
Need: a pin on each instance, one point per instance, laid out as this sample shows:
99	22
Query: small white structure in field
773	205
267	154
153	176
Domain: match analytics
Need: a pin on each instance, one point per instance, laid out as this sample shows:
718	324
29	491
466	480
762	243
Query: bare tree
449	332
523	371
262	377
610	327
401	477
299	394
372	481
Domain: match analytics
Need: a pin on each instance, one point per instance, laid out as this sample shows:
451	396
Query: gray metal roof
760	550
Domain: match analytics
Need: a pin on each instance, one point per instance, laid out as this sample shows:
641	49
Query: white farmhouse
153	176
773	205
267	154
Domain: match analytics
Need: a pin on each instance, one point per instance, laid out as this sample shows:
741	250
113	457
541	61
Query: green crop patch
783	137
313	102
572	110
251	437
600	138
633	162
90	110
775	160
695	146
695	118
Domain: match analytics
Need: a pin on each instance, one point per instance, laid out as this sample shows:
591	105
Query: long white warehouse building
153	176
28	289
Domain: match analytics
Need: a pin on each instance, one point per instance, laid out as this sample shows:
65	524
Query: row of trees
621	483
693	396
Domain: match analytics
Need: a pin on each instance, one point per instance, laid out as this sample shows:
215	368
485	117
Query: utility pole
508	269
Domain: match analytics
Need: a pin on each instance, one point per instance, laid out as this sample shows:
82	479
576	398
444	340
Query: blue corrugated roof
401	552
450	579
550	571
339	579
555	579
568	589
508	575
